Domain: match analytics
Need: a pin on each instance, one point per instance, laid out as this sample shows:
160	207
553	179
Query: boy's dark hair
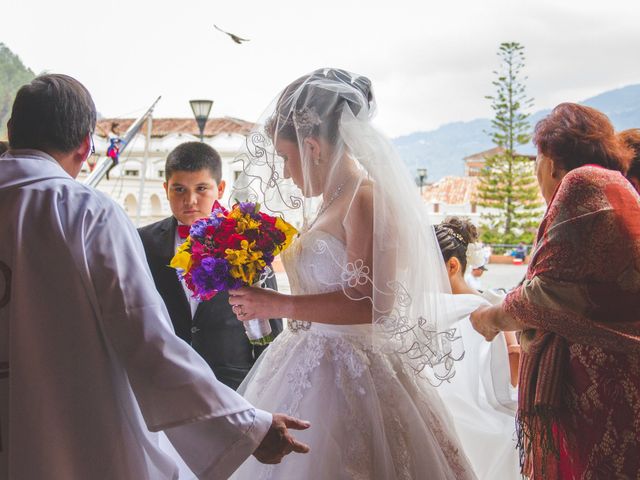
191	157
52	113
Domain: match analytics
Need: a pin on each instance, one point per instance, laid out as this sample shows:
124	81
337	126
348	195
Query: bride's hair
313	104
454	235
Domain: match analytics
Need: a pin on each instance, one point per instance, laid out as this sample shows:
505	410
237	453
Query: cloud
431	62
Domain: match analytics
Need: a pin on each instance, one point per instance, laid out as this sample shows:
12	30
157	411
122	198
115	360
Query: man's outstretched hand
279	442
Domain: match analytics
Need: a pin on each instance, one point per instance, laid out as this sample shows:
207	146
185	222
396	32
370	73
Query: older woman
579	307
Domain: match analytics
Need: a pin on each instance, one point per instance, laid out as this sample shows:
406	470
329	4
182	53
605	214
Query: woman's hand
482	321
255	302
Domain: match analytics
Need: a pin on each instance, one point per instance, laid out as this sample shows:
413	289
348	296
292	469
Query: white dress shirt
94	365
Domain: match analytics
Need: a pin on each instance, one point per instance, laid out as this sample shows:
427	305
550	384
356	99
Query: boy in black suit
193	183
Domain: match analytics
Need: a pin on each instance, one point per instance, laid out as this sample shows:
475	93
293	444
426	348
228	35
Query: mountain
442	150
13	74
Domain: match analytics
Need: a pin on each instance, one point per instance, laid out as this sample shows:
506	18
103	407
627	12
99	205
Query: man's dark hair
192	157
52	113
3	147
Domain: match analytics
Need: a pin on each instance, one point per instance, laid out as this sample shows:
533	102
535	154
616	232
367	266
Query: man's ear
222	185
165	185
83	151
78	157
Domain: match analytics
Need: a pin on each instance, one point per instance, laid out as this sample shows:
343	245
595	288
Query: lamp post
422	175
201	110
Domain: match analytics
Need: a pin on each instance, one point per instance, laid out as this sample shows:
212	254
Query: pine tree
507	185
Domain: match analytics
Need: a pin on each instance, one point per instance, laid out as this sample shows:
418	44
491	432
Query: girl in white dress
481	396
367	307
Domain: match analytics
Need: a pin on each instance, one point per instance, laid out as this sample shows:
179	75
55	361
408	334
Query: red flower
268	219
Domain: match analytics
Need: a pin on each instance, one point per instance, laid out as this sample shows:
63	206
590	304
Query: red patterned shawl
579	394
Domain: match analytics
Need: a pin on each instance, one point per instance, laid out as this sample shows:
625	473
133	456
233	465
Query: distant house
473	164
125	185
452	196
459	195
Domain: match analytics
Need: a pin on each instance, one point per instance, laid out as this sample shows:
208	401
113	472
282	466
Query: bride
367	312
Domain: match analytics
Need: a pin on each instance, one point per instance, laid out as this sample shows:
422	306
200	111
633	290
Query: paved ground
502	276
497	276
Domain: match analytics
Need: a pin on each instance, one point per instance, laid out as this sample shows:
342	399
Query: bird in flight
235	38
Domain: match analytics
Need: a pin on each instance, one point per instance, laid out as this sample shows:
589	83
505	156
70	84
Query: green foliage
507	186
13	74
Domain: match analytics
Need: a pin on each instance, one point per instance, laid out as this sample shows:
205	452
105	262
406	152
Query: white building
138	187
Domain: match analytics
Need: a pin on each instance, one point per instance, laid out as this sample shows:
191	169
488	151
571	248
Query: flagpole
143	172
103	166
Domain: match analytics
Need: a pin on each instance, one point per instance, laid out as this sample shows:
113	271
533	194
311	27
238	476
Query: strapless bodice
315	263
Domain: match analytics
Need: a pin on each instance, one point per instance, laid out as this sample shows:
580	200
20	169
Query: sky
431	62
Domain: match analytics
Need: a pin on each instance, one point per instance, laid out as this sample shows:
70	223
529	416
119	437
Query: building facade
136	183
459	195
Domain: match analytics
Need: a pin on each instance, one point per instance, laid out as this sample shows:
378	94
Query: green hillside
13	74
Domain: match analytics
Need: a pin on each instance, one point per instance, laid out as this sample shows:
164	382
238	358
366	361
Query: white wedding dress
371	417
483	403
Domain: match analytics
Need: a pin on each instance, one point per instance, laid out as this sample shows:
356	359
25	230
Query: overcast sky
431	62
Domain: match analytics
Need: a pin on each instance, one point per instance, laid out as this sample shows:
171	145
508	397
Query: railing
508	248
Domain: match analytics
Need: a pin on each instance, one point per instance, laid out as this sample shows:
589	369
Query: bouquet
230	249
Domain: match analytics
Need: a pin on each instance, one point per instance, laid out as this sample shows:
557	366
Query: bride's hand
254	302
481	319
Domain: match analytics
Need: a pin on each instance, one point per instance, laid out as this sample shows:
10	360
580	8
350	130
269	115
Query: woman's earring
317	161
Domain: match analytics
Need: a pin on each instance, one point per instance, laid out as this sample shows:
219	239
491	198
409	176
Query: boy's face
191	194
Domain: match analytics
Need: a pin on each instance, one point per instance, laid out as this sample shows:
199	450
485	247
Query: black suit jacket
214	332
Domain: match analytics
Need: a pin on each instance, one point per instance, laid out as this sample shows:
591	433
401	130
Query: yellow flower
289	232
245	262
246	223
235	213
182	258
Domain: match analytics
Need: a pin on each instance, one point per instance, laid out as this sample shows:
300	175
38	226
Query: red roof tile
452	191
165	126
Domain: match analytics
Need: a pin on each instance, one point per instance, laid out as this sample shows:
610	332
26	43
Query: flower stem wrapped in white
258	330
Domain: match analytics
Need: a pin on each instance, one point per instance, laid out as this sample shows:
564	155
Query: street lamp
422	175
201	110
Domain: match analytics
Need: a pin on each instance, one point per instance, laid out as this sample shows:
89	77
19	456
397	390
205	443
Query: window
161	173
130	204
132	173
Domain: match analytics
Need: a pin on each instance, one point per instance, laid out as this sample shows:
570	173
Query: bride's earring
316	161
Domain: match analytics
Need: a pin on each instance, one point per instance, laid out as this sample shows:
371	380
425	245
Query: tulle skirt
371	418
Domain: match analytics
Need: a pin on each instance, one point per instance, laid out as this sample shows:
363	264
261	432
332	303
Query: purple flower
268	258
250	209
213	218
199	227
211	275
234	283
247	207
